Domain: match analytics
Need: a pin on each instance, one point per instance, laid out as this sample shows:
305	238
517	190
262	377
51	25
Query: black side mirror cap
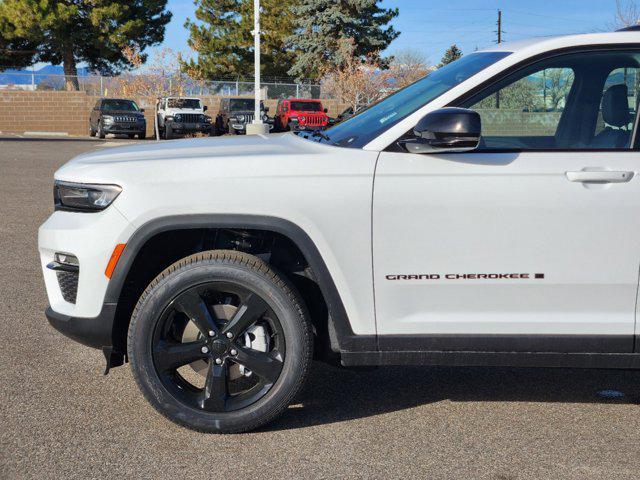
326	110
205	108
142	110
445	130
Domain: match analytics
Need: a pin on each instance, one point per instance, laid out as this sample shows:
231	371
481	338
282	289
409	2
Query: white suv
485	215
180	116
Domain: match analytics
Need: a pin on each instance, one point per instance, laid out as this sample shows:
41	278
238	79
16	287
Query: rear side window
628	78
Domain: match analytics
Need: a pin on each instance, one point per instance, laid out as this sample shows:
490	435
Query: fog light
66	261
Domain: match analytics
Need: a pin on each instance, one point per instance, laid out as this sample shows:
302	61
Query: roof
563	41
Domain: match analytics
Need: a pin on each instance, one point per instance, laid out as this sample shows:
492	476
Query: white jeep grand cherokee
485	215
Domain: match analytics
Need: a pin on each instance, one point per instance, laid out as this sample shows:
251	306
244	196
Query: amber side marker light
113	261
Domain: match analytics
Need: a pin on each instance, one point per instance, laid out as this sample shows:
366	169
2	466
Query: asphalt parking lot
60	418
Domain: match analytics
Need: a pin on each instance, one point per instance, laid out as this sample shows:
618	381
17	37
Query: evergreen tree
222	38
14	52
322	24
91	31
452	54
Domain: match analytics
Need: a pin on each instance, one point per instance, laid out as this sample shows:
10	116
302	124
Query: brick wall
68	112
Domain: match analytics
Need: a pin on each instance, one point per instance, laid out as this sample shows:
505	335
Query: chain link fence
155	85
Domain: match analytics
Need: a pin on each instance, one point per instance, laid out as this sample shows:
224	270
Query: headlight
207	119
240	118
107	119
265	117
302	119
83	197
177	118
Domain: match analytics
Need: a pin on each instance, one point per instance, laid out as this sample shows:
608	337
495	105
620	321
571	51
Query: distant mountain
44	74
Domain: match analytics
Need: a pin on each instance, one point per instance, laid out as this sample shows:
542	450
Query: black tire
92	132
142	135
161	307
101	133
168	132
131	135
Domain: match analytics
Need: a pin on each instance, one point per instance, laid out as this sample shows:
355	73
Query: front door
531	242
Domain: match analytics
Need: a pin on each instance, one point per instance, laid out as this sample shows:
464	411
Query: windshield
368	124
243	104
192	103
306	106
125	105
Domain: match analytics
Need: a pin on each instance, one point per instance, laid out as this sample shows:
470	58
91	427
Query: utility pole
256	127
499	42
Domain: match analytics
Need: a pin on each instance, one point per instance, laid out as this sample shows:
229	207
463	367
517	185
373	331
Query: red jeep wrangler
300	114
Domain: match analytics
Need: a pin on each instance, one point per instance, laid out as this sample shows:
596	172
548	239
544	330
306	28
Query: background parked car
300	114
235	113
179	116
117	116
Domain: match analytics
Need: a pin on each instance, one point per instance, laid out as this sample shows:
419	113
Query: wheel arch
341	335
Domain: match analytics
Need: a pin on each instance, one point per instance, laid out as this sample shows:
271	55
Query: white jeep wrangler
485	215
180	116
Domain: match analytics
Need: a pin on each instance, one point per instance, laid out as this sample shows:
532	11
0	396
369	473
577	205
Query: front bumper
241	127
95	332
296	127
91	238
125	128
180	127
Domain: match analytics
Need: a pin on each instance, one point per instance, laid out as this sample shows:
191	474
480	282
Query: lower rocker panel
493	359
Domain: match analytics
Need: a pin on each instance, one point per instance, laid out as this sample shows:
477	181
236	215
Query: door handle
602	176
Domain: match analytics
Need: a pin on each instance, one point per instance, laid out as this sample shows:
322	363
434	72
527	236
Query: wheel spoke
266	365
193	306
215	388
170	355
247	314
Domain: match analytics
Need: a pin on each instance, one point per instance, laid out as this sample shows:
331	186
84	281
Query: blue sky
431	26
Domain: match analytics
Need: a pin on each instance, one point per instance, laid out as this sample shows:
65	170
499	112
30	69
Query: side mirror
205	108
142	110
445	130
266	109
326	110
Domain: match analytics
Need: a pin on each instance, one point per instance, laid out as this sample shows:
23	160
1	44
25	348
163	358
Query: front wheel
218	342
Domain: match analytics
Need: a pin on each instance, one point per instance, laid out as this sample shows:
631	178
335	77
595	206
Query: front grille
68	282
125	119
249	117
314	120
190	118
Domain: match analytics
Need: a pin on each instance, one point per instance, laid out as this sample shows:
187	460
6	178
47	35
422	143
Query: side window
97	105
569	102
528	111
625	80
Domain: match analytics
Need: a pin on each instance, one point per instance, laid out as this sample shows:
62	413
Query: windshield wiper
321	135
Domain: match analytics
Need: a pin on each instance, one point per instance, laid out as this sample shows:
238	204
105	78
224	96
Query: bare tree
627	13
408	66
354	82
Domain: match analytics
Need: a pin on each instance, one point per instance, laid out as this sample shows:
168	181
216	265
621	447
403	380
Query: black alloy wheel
219	342
224	345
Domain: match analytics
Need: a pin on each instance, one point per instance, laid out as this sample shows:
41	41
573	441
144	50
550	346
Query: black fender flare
339	325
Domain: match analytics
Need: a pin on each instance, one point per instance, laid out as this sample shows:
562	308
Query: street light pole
257	126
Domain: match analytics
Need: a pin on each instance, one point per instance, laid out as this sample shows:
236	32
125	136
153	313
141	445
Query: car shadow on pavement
336	395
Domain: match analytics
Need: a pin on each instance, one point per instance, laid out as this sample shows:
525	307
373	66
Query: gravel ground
60	418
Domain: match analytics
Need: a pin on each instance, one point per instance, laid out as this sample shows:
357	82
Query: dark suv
117	116
235	113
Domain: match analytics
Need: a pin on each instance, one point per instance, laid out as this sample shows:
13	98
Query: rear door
530	243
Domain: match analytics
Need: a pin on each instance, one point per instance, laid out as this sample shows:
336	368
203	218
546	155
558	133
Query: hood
218	156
